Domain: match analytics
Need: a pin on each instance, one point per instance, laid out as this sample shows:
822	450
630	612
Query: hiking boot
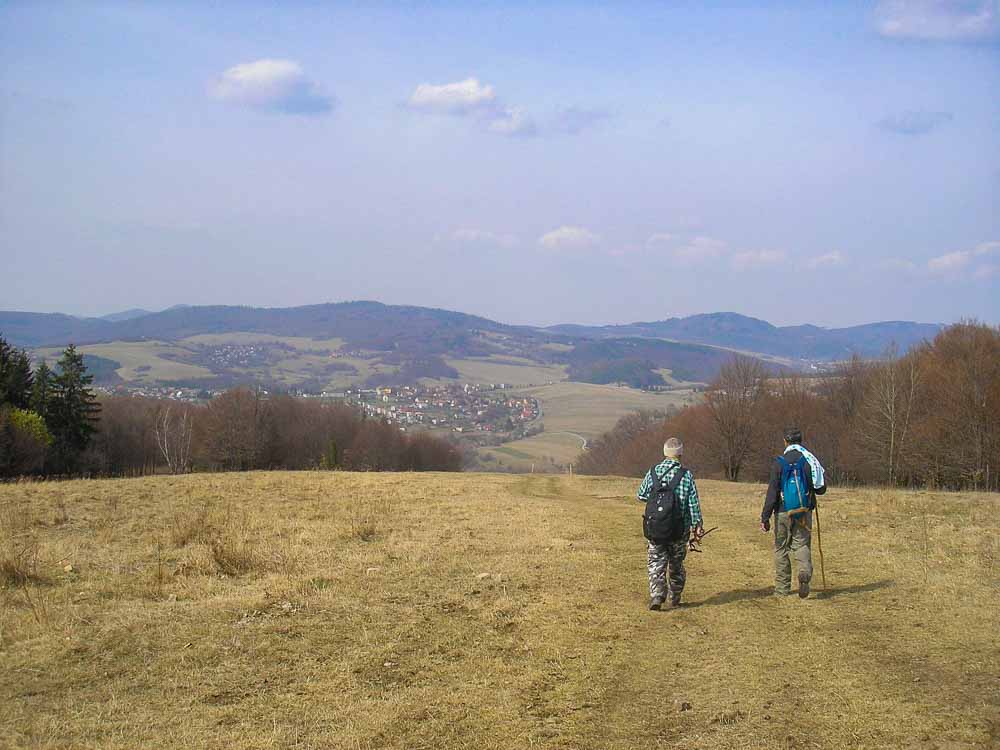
803	586
674	601
655	603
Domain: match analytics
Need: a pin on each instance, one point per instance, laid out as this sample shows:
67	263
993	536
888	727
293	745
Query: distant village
462	408
478	412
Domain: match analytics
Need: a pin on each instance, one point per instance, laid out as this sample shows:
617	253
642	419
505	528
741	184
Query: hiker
796	478
672	516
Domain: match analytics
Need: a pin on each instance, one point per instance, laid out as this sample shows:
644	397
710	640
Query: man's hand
765	526
697	532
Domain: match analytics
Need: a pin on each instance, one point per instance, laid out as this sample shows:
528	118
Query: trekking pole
819	541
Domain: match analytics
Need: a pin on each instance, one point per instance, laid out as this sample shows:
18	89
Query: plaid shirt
687	493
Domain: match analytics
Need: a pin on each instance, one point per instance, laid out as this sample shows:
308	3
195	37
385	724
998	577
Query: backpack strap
656	483
674	483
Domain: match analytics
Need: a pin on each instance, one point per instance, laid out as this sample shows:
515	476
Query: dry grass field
335	610
140	360
545	452
590	409
508	370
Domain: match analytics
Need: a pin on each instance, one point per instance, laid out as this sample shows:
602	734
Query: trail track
486	611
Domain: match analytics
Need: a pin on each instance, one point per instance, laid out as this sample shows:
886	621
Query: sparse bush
234	545
24	441
190	526
364	519
19	546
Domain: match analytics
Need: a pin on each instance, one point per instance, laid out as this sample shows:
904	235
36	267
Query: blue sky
834	163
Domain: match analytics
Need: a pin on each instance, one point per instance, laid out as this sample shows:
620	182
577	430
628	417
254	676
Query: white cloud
271	86
938	20
483	237
828	260
700	248
660	238
960	260
950	262
568	238
512	121
898	265
987	271
470	98
756	258
987	248
459	98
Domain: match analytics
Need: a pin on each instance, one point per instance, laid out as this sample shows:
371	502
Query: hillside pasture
590	409
142	361
509	370
548	451
274	610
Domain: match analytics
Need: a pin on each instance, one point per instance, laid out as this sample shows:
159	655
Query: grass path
486	611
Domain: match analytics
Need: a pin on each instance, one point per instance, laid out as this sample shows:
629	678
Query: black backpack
663	519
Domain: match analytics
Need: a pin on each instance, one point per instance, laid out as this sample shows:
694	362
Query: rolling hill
376	344
735	331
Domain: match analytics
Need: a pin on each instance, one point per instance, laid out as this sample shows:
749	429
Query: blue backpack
794	489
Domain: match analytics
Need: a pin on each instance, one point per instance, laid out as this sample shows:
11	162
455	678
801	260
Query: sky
535	163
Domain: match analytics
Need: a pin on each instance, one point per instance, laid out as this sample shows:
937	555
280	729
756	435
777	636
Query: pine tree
41	391
73	410
15	376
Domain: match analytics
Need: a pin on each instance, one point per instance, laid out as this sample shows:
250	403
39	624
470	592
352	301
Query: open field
548	451
506	370
571	413
590	409
140	360
273	610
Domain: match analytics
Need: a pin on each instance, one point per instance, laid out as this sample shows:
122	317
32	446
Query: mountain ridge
372	324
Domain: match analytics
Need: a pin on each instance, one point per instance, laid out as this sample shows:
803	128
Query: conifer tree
15	376
73	410
41	391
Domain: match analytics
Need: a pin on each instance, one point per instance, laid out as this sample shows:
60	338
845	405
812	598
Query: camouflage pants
662	557
791	538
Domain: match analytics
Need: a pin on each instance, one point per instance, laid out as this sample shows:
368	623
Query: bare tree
735	402
234	429
887	412
173	437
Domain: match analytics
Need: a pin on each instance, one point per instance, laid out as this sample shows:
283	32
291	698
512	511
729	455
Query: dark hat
793	435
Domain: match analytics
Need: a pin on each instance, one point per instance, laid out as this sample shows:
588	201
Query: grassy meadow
337	610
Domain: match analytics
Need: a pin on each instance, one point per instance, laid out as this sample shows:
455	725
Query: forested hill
369	325
736	331
372	325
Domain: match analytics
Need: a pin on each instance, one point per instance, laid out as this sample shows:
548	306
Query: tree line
929	418
52	423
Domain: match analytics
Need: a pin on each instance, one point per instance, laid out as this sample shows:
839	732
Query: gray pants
660	559
792	534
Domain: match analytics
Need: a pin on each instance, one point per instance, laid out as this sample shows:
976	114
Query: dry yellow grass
590	409
547	451
136	354
510	370
315	610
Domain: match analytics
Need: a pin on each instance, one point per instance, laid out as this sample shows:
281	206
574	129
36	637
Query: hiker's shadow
740	595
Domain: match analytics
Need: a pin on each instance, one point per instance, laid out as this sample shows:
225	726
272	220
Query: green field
288	610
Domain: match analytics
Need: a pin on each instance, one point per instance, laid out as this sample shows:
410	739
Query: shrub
24	441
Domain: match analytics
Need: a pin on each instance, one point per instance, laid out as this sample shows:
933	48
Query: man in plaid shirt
662	557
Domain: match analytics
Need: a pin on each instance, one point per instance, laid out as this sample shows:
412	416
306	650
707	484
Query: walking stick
819	540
